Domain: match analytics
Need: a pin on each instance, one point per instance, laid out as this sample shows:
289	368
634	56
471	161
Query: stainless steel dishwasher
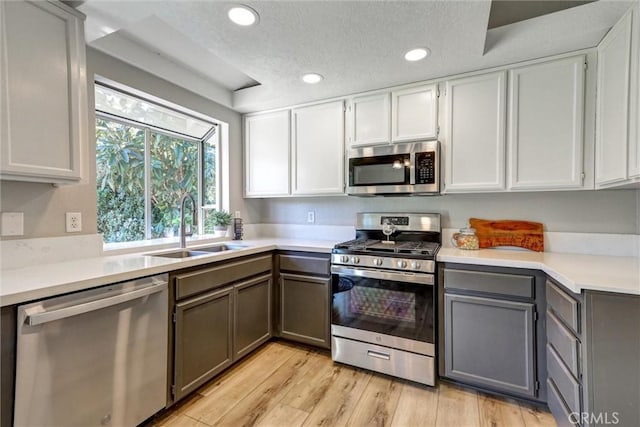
97	357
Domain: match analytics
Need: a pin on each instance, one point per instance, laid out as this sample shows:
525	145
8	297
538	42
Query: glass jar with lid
466	238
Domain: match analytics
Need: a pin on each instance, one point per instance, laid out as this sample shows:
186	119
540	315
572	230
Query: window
147	156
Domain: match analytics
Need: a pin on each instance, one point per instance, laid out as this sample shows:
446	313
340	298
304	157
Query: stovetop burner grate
378	246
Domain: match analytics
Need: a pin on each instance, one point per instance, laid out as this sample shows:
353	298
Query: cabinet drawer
304	264
566	307
557	407
495	283
567	385
564	342
188	284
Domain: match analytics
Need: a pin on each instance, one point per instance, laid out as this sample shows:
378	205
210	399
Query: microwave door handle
412	172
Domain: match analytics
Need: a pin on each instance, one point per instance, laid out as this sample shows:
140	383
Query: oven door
386	308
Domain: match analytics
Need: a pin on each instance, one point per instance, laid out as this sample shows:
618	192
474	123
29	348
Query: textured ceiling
356	45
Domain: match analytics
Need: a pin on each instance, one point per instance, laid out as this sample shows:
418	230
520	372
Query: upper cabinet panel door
318	149
414	113
369	120
475	143
634	141
612	123
43	111
266	153
546	120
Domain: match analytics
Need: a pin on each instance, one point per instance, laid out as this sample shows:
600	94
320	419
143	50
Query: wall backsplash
604	211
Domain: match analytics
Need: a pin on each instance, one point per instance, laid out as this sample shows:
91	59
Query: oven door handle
418	278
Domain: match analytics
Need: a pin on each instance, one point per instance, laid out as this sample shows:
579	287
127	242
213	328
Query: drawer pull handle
378	355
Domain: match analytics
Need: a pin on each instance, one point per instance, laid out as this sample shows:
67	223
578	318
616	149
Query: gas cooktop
383	247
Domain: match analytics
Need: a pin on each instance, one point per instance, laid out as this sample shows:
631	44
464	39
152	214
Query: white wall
44	206
605	211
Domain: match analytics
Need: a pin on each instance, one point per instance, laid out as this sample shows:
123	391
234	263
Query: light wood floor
288	385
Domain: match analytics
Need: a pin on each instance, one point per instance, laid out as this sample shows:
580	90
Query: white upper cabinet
612	124
317	149
545	128
43	96
266	154
634	140
369	120
474	144
414	113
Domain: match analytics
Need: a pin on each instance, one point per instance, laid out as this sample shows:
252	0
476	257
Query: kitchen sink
180	254
207	250
221	248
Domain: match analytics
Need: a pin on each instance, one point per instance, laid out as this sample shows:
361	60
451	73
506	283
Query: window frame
211	137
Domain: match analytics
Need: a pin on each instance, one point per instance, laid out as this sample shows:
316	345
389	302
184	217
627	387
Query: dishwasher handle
74	310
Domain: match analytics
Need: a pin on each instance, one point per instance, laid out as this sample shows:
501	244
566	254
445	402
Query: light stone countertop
46	280
576	272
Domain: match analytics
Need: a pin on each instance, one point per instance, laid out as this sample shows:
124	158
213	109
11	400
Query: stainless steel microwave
396	169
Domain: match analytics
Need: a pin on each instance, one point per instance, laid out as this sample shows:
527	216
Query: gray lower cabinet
593	357
203	339
490	336
252	313
304	294
221	312
304	311
490	342
8	319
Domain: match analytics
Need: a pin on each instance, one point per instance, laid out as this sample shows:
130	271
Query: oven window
379	170
384	306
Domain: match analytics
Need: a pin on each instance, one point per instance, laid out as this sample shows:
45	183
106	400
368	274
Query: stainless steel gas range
383	293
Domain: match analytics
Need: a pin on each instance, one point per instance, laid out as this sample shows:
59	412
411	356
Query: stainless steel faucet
194	218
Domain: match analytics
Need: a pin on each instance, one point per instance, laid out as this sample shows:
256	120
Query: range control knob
415	265
344	258
355	259
402	264
377	261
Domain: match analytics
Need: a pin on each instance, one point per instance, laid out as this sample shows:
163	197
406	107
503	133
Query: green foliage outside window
173	169
120	181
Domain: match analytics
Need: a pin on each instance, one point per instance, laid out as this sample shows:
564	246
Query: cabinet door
266	154
546	115
318	149
43	111
613	104
490	342
203	345
634	138
475	144
252	317
369	120
414	113
304	309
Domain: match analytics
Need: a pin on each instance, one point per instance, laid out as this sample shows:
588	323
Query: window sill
122	248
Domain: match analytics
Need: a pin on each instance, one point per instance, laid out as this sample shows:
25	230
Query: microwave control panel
426	167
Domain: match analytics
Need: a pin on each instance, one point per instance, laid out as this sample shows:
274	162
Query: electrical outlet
237	214
74	222
12	223
311	217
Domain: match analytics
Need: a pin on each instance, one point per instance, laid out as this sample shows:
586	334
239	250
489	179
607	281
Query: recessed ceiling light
312	78
416	54
243	15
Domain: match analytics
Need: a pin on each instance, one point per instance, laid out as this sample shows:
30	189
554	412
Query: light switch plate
12	223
